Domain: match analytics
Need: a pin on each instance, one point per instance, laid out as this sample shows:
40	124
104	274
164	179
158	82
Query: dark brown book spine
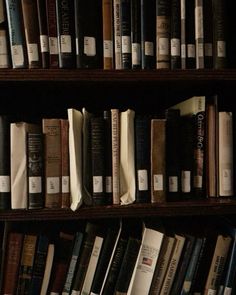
43	32
65	173
52	33
31	25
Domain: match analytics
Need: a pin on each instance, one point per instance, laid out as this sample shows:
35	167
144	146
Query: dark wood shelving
173	209
87	75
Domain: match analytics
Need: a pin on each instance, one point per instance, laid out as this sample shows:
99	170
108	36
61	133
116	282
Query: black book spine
35	170
5	188
190	35
142	158
43	32
208	33
148	34
126	34
108	157
175	35
98	160
65	33
173	154
136	34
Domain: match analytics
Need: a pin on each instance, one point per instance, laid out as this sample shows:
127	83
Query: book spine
126	52
4	40
115	132
175	35
31	26
208	33
199	35
35	170
65	33
117	33
183	33
98	160
135	34
107	9
163	34
52	162
16	34
65	168
190	35
52	33
148	34
5	187
43	33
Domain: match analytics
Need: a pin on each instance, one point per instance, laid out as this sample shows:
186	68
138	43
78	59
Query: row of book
118	157
155	258
114	34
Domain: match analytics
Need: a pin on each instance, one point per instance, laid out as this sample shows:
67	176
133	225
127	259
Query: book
183	33
127	157
65	164
175	35
117	33
19	186
4	49
75	157
39	264
208	33
31	27
77	245
190	34
158	160
199	35
26	263
142	131
35	174
148	34
43	33
16	34
107	26
5	186
52	33
146	261
162	34
51	128
48	269
12	262
65	33
135	10
226	169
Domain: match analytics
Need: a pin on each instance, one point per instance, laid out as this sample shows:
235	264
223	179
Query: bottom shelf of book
150	255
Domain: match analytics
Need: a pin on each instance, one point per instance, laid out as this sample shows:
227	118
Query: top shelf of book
99	75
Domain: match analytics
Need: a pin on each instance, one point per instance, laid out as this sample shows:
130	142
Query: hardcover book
4	48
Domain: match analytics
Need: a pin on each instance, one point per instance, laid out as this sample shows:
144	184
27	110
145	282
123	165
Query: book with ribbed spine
136	34
175	35
4	48
107	25
125	22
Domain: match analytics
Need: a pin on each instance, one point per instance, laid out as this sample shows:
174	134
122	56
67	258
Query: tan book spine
115	140
52	131
107	34
158	160
65	169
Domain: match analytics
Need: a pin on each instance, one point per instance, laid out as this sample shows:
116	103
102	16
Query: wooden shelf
173	209
128	76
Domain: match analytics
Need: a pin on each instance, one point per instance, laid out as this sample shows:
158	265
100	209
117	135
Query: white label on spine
74	292
66	44
33	53
35	184
53	185
186	181
136	56
44	43
197	181
208	51
163	46
183	50
200	50
221	49
108	48
175	47
65	184
3	45
97	184
142	180
173	184
158	182
5	184
108	184
89	46
211	292
149	48
17	55
226	181
191	50
53	45
126	44
227	291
